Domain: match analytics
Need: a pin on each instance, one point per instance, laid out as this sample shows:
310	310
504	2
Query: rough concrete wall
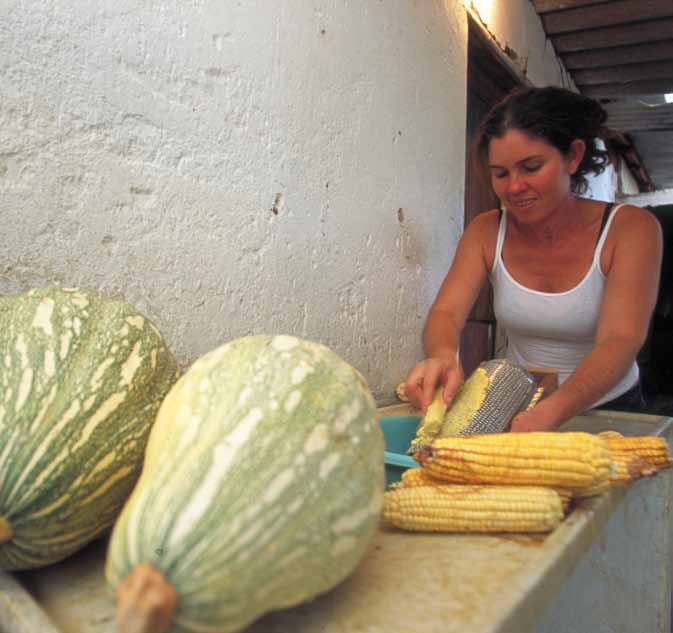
233	168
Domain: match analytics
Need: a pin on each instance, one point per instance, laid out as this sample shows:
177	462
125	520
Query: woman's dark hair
555	115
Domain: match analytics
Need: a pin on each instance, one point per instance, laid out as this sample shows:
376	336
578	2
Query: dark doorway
489	79
656	357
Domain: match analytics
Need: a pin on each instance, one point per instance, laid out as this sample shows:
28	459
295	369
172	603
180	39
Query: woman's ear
575	155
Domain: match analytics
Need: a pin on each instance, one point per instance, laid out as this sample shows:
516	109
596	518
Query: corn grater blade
508	390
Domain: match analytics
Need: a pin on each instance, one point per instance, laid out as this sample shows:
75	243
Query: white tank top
554	330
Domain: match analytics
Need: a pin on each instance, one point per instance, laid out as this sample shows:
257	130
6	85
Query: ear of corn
492	482
431	423
415	477
635	457
473	508
574	461
566	499
401	392
486	403
467	402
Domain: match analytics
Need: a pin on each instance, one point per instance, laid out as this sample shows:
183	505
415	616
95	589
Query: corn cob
574	461
566	499
431	423
635	457
473	508
486	403
414	477
401	392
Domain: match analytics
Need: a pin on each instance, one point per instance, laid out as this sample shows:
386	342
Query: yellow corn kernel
566	499
417	477
635	457
468	400
432	421
401	392
574	461
455	508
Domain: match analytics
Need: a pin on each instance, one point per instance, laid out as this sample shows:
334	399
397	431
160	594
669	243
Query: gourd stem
145	602
6	532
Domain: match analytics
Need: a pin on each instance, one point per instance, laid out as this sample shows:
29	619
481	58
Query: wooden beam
620	74
637	107
611	14
479	39
656	121
652	51
639	126
644	88
545	6
658	113
639	33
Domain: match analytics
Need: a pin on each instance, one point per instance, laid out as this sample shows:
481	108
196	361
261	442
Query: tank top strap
608	216
604	220
502	226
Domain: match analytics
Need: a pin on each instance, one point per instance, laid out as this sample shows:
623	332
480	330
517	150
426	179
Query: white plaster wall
293	166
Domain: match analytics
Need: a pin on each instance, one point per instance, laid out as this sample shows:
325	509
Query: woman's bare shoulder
632	222
635	236
484	225
482	234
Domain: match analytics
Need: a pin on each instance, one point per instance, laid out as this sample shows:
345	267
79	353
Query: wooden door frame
490	76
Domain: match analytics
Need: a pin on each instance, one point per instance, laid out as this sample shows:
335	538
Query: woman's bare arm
447	316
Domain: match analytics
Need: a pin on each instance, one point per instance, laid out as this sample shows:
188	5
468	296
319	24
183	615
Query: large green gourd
81	381
262	487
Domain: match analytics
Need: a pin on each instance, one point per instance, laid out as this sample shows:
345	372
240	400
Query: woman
574	280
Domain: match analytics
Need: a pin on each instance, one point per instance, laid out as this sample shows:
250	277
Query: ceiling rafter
621	53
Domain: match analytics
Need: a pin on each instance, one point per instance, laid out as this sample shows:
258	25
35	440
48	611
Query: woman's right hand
427	376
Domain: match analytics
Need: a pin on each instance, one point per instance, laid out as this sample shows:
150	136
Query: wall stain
140	190
277	204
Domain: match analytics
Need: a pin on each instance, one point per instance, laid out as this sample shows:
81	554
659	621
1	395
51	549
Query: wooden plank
639	53
659	113
662	124
604	15
632	121
644	88
639	33
654	126
620	74
545	6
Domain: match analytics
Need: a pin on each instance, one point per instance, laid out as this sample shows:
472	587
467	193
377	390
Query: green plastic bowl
398	432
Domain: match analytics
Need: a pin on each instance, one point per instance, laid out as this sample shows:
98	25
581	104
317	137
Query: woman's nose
515	185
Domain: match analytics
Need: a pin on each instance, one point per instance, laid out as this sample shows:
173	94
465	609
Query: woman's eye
529	169
500	174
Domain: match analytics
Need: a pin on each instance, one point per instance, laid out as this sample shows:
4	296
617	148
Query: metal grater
511	389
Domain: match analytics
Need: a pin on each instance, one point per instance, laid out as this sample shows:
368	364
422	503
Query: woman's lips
522	204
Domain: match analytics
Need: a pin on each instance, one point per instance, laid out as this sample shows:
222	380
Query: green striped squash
81	381
262	485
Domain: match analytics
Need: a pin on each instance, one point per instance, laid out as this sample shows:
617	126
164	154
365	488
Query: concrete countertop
407	581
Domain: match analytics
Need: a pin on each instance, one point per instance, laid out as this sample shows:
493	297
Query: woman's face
531	177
